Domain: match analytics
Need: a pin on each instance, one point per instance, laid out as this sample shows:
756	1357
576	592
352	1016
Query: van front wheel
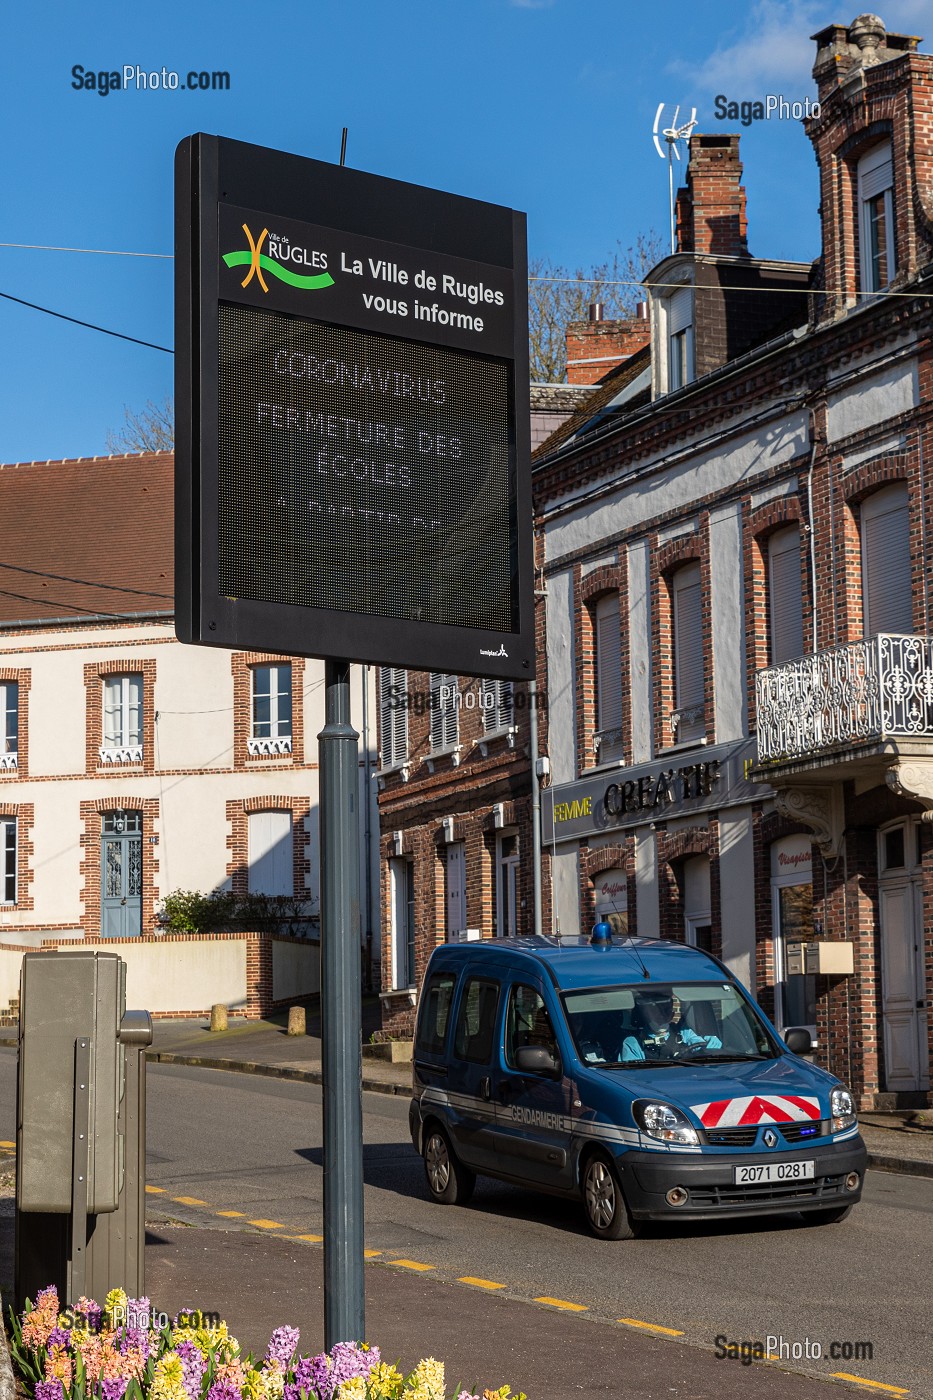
606	1212
449	1181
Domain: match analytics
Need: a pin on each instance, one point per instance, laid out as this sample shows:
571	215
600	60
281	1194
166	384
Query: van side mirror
798	1040
535	1059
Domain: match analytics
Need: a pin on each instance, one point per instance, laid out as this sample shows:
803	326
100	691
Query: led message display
352	459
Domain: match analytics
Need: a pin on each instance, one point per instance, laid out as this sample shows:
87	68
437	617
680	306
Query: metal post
535	805
79	1170
340	1014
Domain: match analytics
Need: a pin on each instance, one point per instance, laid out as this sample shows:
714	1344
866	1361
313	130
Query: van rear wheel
606	1212
449	1181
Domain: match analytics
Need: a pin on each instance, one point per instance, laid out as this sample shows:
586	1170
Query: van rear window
435	1013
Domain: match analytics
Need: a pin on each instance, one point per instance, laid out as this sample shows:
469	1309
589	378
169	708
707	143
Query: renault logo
770	1137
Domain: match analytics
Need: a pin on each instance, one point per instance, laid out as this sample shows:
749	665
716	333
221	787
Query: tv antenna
672	134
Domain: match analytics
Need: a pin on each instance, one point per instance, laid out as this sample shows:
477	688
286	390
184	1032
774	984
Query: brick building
735	557
131	766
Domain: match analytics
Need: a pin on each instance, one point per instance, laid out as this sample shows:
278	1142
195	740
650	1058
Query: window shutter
680	310
886	587
393	716
271	859
443	717
876	172
785	596
497	705
688	649
608	676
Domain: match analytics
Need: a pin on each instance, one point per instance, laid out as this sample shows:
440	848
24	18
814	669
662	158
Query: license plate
773	1171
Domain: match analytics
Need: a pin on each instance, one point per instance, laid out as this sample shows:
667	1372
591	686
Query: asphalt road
231	1143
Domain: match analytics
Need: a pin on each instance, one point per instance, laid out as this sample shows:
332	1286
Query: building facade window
698	918
402	889
607	640
876	219
784	595
689	720
393	716
9	724
792	922
122	738
886	561
507	905
445	727
8	852
497	702
271	710
271	848
121	871
680	342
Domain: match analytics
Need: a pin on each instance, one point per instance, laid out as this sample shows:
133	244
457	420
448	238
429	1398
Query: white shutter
785	595
886	591
688	650
393	715
608	677
497	705
271	863
875	172
444	707
680	310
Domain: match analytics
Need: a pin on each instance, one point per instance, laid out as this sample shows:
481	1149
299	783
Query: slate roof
600	395
86	537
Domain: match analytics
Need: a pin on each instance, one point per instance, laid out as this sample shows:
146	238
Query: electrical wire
108	252
87	582
134	340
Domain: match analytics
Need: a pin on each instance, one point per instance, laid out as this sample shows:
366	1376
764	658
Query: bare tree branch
152	429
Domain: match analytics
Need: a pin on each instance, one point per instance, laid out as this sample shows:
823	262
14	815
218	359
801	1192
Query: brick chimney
595	347
710	211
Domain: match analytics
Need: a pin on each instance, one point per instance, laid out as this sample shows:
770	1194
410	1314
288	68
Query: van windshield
666	1023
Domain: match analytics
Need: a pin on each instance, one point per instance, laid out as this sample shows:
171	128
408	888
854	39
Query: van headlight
668	1124
842	1109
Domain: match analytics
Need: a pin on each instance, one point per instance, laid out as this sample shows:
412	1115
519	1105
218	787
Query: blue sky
544	105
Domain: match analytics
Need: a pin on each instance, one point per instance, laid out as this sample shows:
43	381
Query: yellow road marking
156	1190
562	1303
268	1224
312	1239
412	1264
650	1326
231	1214
369	1253
188	1201
480	1282
873	1385
7	1144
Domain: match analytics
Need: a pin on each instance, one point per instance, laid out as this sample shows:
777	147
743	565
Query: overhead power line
107	252
134	340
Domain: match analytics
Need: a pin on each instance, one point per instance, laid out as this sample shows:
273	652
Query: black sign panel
352	457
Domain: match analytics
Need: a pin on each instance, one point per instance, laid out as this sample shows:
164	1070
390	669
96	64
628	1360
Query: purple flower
58	1337
91	1311
223	1390
282	1346
49	1390
327	1371
193	1365
114	1389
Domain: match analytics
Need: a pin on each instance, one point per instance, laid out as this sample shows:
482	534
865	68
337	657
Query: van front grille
766	1191
731	1137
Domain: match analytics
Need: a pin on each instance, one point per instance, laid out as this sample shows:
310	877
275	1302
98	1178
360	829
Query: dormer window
876	219
680	358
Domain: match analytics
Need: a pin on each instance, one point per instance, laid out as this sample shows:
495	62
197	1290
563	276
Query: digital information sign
352	453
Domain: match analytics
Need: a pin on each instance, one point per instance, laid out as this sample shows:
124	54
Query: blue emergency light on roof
601	936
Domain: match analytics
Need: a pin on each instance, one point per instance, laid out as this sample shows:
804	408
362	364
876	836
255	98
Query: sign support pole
344	1305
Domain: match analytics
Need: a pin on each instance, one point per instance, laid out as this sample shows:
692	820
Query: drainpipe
811	531
535	805
367	831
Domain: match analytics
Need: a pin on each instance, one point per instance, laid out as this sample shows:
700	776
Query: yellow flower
273	1382
427	1380
116	1300
353	1389
58	1366
168	1381
385	1382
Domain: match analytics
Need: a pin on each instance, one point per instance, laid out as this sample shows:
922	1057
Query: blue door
121	870
533	1112
470	1074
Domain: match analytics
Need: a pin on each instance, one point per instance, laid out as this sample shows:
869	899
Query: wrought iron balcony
877	689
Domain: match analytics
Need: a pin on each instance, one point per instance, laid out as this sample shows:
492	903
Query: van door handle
485	1087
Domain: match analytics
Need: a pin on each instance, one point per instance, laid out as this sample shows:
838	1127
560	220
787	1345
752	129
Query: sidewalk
896	1142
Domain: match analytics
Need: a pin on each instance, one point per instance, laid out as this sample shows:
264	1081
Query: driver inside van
657	1035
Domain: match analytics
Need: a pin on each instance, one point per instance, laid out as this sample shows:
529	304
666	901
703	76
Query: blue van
636	1074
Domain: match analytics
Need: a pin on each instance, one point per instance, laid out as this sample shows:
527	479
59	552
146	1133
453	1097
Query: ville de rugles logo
262	262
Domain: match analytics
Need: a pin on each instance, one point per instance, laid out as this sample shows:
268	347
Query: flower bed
126	1351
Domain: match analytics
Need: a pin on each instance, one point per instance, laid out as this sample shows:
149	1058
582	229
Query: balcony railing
877	688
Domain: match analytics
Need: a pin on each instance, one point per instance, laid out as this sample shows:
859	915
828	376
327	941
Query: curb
301	1076
905	1166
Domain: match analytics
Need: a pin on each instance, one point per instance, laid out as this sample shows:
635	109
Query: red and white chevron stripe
757	1108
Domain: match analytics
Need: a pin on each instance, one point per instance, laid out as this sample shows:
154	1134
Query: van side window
528	1023
435	1012
476	1021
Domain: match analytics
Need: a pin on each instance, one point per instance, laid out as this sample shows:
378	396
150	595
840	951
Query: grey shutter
888	603
608	677
688	651
876	172
444	717
393	715
680	310
497	705
785	595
